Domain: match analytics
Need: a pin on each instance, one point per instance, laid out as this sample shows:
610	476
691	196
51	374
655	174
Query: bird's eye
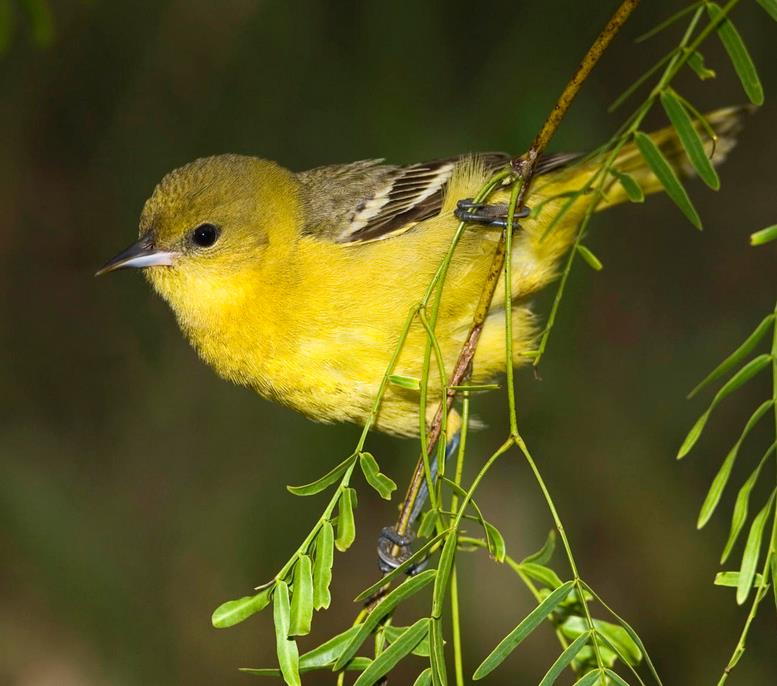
205	235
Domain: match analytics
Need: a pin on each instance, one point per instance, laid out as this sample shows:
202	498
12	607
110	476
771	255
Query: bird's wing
368	200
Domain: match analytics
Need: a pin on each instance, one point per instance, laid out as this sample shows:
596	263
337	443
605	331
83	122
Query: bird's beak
142	253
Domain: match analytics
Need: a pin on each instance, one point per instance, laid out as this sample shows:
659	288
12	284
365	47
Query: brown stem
523	167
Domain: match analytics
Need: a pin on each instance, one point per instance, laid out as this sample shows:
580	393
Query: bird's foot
493	215
388	540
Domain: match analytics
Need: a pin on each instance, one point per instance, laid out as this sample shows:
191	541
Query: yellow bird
298	284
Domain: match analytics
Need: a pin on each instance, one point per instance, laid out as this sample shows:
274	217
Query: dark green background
138	491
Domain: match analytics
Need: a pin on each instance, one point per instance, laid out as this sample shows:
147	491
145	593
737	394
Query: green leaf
417	556
409	587
302	598
380	482
764	235
346	526
495	542
543	555
744	375
394	632
428	523
721	478
589	258
690	139
617	680
629	630
770	6
615	635
666	175
630	185
696	62
529	624
545	575
436	654
322	567
731	579
737	356
589	679
424	678
235	611
444	567
389	658
328	652
409	382
738	54
288	655
565	659
752	552
693	435
739	516
358	664
325	481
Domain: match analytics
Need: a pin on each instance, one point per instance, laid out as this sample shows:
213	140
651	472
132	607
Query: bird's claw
389	539
494	215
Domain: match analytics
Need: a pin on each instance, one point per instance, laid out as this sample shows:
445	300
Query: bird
298	285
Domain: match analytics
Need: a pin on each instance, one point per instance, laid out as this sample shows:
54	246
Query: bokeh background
138	491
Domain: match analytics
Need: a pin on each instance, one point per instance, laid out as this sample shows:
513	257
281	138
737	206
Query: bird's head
209	222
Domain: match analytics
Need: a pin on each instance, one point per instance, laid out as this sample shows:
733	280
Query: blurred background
138	491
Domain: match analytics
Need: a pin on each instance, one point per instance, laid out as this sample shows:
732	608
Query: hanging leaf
235	611
409	587
752	552
380	482
517	635
495	542
301	613
666	175
288	655
616	678
545	575
764	236
738	355
408	382
346	526
696	62
389	658
731	579
392	633
543	555
738	54
741	505
589	679
565	659
721	478
436	654
690	139
589	258
424	678
630	186
325	481
322	567
770	6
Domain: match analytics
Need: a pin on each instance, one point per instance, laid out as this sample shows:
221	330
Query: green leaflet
346	526
301	613
752	552
721	478
288	655
770	6
406	589
589	258
565	659
666	175
764	235
325	481
741	505
738	355
380	482
543	555
529	624
630	186
322	567
744	375
696	62
690	139
738	54
399	649
731	579
235	611
424	678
